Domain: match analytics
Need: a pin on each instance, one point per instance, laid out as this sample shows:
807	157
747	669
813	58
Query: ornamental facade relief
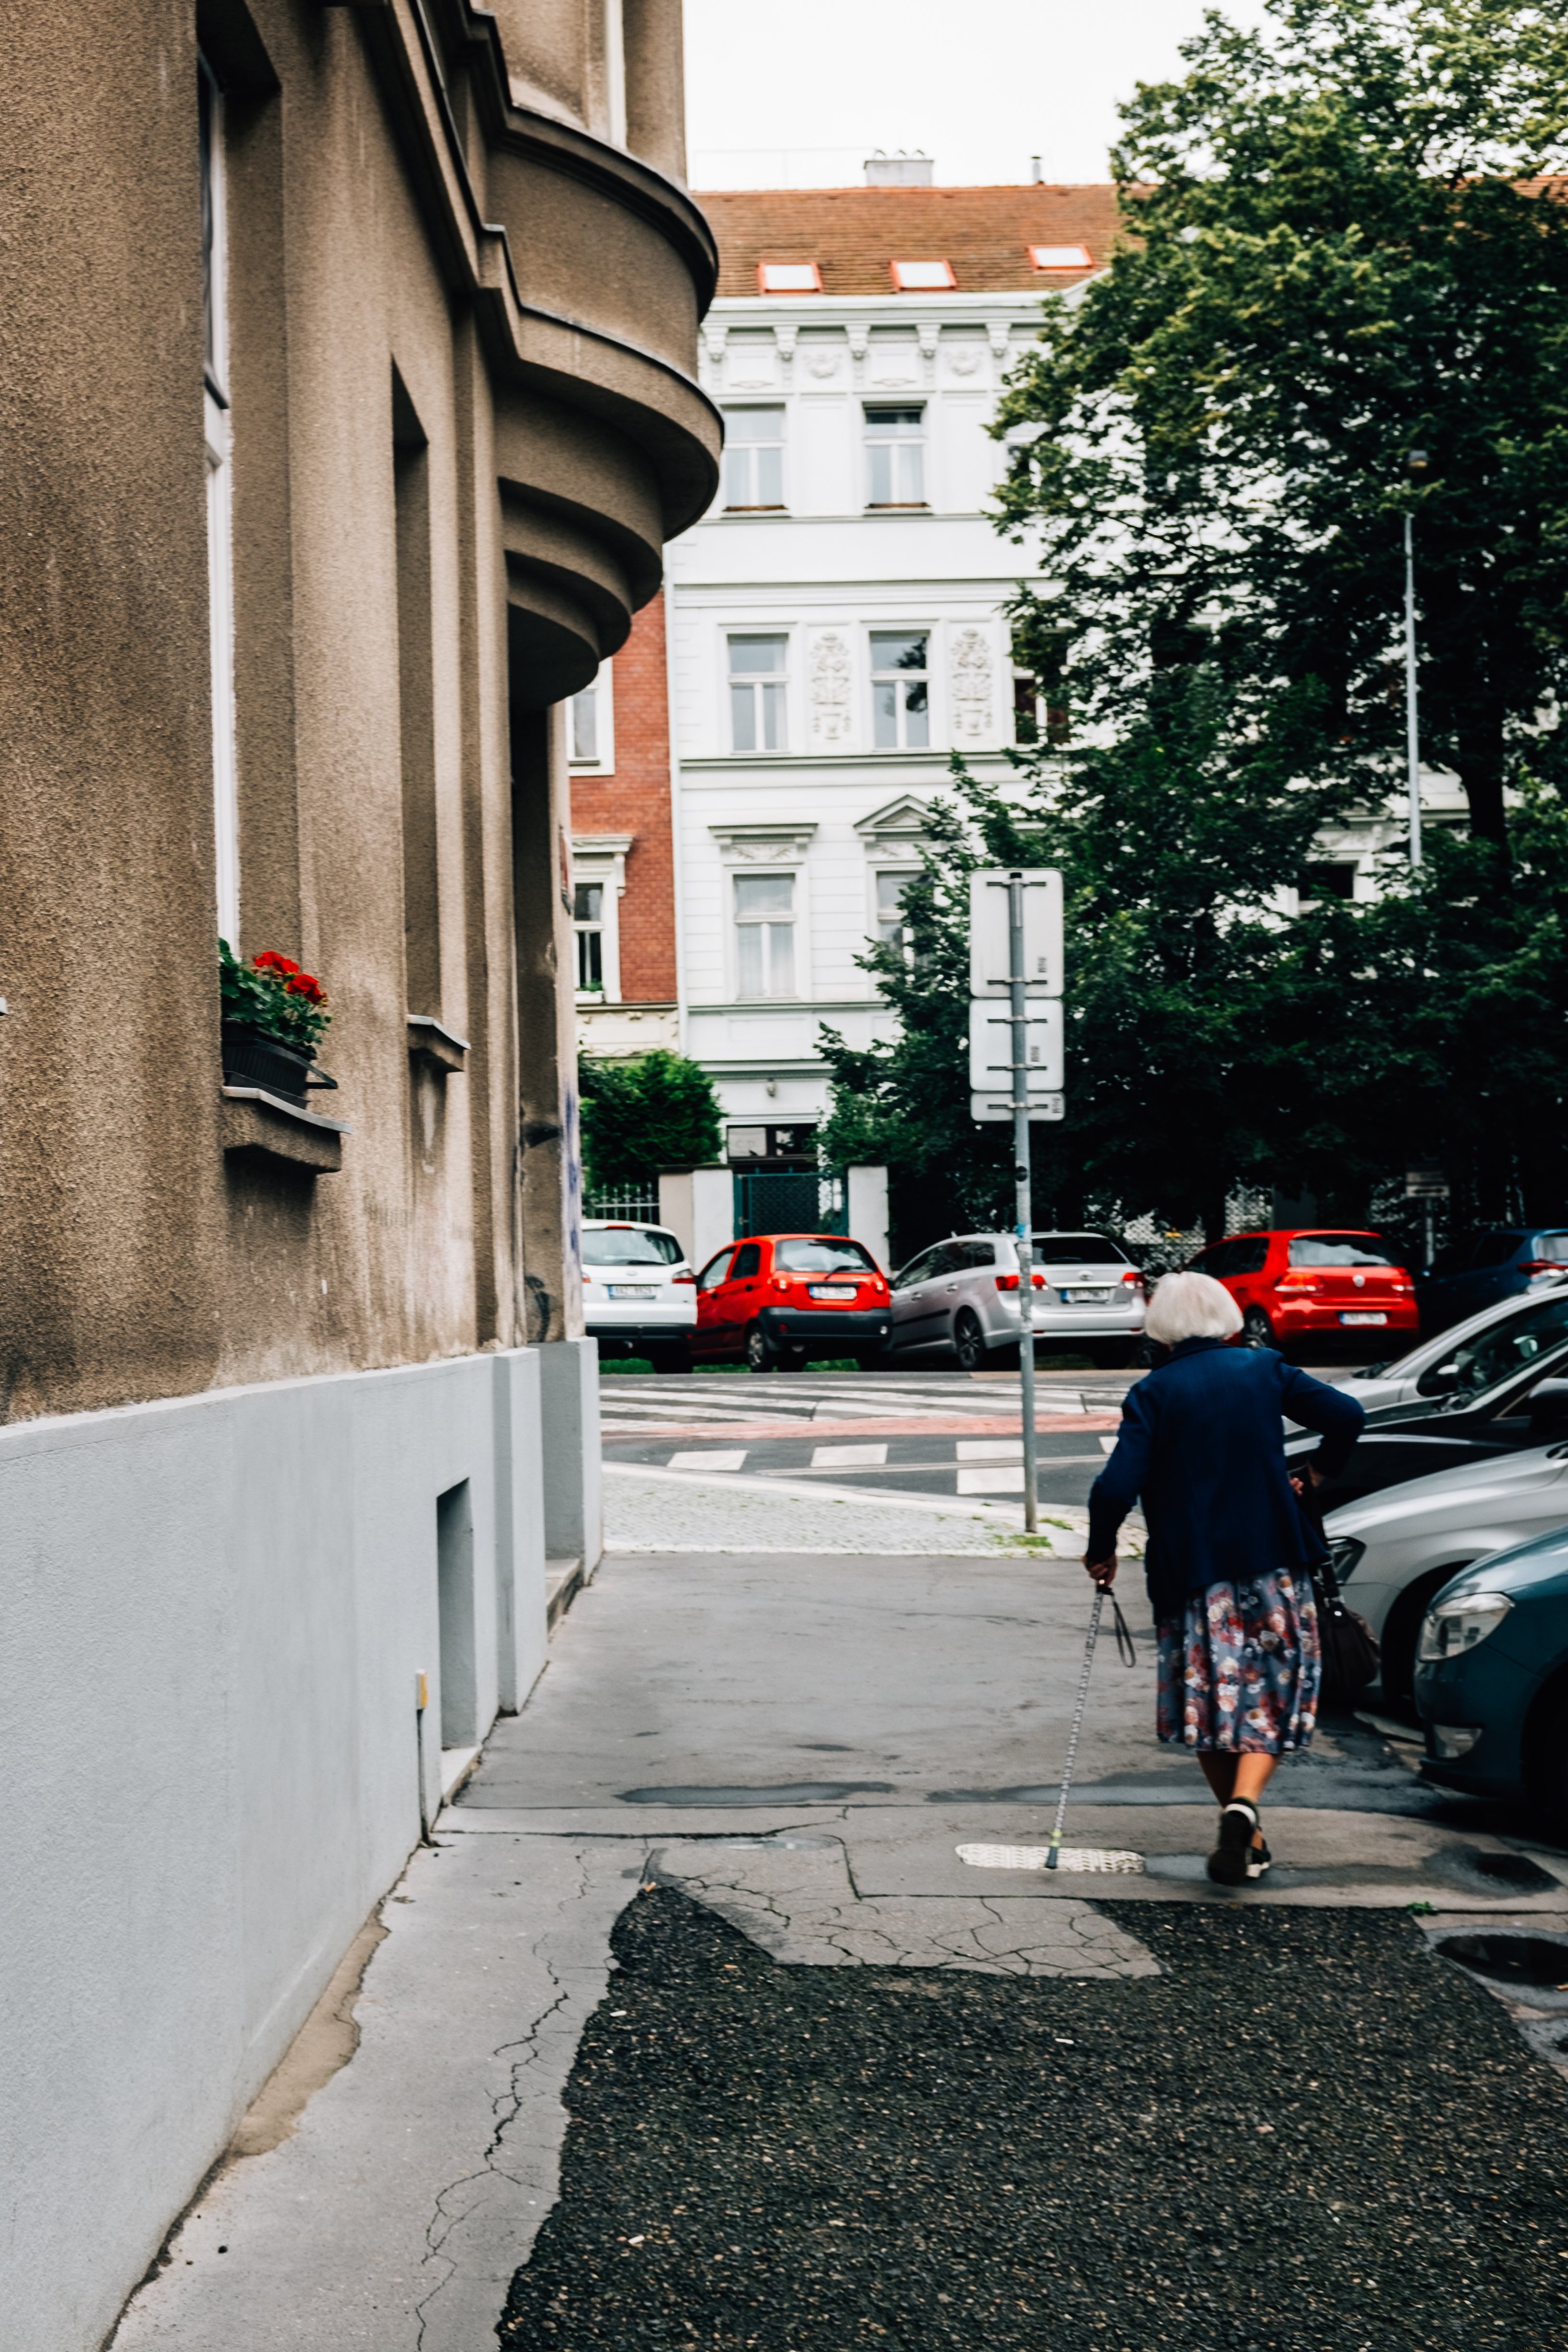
970	686
829	683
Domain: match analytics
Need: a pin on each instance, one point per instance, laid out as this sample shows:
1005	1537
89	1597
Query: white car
1393	1550
1472	1354
640	1295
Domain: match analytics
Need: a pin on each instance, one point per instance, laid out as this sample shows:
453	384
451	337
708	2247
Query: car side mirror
1440	1379
1548	1405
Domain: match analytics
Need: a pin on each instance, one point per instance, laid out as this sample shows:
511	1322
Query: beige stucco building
348	389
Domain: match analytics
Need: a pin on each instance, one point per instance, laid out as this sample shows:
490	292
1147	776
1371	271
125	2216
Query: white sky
797	96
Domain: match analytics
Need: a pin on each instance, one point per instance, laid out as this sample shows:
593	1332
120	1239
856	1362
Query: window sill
428	1041
259	1126
899	506
754	511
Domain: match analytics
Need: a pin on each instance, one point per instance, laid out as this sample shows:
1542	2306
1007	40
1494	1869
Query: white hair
1191	1307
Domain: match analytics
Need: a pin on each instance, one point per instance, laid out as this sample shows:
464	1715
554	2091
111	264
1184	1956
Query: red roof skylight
789	278
1060	257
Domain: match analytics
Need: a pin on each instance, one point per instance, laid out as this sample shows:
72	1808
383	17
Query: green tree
1335	256
659	1110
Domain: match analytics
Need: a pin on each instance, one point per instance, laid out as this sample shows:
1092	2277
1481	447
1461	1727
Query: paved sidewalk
778	1754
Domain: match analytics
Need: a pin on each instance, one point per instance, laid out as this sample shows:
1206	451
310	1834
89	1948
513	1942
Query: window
629	1246
1091	1249
748	1262
758	685
591	727
1340	1249
1495	1249
1060	257
765	934
820	1256
895	457
588	923
789	278
754	457
922	277
899	703
890	928
1336	881
219	500
712	1273
1523	1337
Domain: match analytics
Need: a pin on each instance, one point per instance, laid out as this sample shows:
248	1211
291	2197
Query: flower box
251	1058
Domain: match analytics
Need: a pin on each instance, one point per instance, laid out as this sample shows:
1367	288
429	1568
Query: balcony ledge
261	1126
428	1041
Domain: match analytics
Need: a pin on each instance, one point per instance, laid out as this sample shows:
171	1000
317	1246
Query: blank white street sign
999	1107
991	1047
988	930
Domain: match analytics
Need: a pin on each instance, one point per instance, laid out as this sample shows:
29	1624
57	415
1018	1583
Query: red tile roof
852	234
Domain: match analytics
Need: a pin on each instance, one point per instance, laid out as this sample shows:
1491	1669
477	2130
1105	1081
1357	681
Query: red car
1305	1284
777	1298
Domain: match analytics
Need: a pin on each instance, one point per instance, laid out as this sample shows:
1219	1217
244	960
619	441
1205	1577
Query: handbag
1351	1652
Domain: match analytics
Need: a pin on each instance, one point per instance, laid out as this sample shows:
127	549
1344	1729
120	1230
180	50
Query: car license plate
1087	1297
839	1290
1361	1314
630	1290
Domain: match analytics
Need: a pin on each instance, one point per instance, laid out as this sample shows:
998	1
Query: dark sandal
1228	1862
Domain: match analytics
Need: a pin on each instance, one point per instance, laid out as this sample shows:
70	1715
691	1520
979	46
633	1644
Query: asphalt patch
1308	2132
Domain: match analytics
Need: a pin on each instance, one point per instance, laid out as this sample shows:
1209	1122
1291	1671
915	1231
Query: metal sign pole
1024	1227
1411	722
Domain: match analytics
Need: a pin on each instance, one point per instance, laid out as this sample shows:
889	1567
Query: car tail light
1134	1278
1010	1281
1297	1282
781	1282
689	1278
1543	1266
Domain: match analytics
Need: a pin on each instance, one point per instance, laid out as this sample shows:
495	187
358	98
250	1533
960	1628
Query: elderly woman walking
1229	1547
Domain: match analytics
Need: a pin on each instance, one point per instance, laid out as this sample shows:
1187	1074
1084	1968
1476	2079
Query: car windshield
1341	1249
629	1246
1508	1346
821	1256
1507	1391
1077	1249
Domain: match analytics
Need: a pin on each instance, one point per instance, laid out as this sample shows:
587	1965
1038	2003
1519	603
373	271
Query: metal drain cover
1033	1857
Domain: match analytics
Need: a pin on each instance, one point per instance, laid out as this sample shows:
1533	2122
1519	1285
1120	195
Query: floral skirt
1240	1669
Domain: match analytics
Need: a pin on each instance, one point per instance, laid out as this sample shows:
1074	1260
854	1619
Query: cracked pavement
798	1743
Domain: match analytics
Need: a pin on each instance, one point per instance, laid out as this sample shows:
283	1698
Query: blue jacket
1202	1444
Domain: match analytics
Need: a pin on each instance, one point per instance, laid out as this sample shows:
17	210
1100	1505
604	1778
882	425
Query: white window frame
219	466
902	678
599	860
768	923
756	681
737	448
602	687
882	872
755	849
872	439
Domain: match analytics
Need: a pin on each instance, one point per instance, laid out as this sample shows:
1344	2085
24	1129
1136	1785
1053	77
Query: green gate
793	1202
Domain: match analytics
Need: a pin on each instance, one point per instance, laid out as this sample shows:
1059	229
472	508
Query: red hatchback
777	1298
1304	1284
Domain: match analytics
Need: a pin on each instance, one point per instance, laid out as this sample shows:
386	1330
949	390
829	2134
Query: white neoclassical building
835	624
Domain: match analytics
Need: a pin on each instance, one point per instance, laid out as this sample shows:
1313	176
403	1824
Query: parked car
640	1295
960	1298
1472	1354
1307	1283
1481	1268
1400	1537
1492	1675
774	1300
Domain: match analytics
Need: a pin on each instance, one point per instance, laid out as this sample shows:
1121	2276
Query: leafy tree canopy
1338	252
656	1111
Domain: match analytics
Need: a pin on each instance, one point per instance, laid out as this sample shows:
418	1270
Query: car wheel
968	1341
760	1357
1401	1630
1256	1331
670	1359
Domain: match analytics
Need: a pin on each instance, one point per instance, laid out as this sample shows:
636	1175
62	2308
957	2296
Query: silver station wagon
960	1298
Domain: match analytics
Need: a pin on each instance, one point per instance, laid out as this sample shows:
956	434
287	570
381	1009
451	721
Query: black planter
251	1058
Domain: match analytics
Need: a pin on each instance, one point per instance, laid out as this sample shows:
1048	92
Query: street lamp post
1416	462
